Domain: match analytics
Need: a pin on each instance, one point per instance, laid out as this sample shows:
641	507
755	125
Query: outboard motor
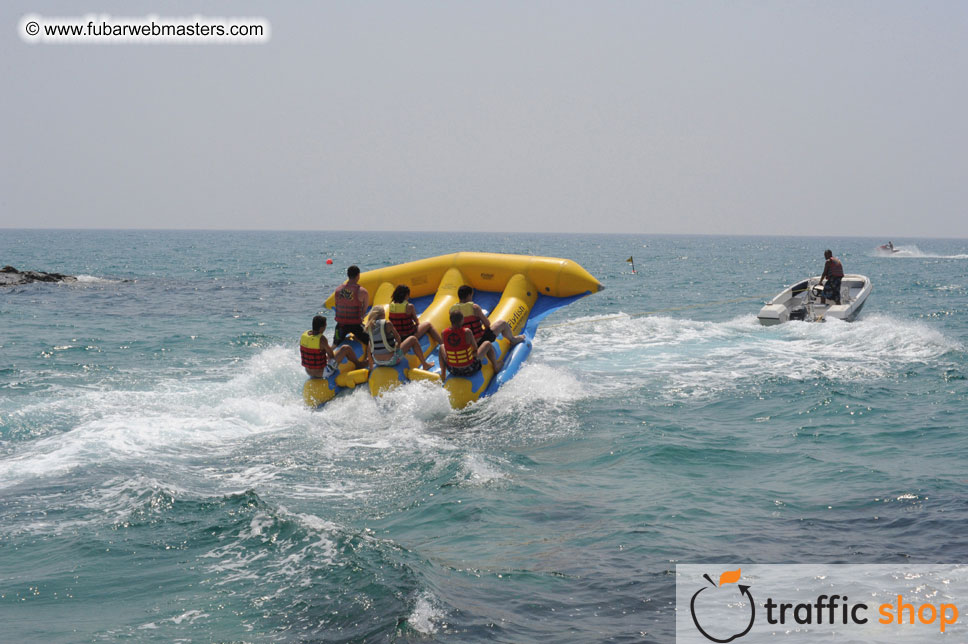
798	314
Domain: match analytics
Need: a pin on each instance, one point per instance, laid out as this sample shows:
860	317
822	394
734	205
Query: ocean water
161	480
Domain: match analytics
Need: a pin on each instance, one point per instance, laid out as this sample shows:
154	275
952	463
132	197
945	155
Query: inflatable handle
352	378
420	374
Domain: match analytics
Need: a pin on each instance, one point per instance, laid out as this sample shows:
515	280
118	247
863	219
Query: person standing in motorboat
833	272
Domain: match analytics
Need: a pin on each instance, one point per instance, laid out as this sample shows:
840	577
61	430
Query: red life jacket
834	268
401	320
471	321
311	351
457	350
349	309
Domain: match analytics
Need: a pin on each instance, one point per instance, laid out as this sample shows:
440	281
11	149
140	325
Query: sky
779	117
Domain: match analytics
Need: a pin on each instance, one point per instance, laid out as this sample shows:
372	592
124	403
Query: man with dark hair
477	322
459	353
352	301
833	272
318	358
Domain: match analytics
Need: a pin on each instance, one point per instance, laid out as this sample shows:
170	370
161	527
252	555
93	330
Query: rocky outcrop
10	276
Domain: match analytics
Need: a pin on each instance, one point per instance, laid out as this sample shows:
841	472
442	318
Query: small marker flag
632	262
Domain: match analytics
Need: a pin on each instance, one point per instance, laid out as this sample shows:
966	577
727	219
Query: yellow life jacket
401	320
311	351
471	321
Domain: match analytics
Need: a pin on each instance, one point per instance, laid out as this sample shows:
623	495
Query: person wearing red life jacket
318	358
833	272
352	301
459	353
386	347
477	322
403	316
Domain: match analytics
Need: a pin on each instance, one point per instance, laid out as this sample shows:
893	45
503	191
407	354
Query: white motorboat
802	302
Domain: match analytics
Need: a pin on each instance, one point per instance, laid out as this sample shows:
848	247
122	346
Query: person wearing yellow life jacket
403	316
352	301
477	322
318	358
459	353
386	347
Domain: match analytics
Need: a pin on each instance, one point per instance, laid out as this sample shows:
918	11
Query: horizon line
464	232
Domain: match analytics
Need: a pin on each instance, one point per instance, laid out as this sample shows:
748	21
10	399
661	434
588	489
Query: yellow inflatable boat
520	289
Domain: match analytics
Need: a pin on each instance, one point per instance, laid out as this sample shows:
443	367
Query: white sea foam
257	526
190	424
178	420
189	616
541	384
92	279
397	419
686	358
298	558
231	431
479	470
537	405
426	614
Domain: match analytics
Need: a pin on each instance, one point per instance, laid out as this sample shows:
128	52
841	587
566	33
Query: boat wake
203	431
676	358
915	252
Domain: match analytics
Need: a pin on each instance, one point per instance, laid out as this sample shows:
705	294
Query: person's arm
324	343
367	348
412	310
441	359
394	333
479	312
364	298
469	336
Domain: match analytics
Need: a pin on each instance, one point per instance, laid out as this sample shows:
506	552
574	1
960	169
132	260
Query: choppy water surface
160	479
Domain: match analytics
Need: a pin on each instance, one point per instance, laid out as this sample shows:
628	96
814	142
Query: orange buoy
329	261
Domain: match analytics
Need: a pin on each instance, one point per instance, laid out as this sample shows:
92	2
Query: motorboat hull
801	301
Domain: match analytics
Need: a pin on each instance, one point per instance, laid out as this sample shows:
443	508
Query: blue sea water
161	480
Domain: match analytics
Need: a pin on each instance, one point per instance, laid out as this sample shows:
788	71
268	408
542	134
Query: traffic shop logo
723	598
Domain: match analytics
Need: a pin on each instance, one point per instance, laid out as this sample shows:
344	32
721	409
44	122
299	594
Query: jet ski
802	302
